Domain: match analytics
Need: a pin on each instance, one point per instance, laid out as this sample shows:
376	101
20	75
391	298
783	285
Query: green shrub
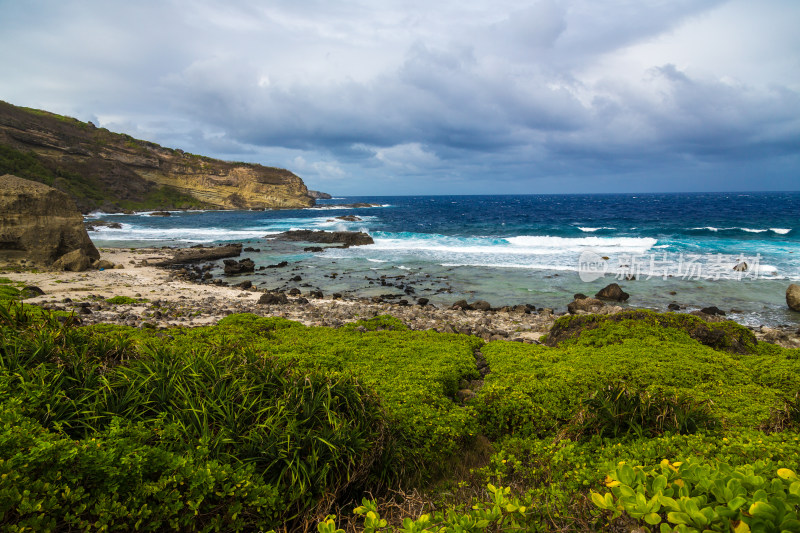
694	497
309	435
615	411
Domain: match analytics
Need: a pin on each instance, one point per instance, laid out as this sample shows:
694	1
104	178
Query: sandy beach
164	300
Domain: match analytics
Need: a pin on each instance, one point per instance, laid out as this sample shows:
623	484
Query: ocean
508	250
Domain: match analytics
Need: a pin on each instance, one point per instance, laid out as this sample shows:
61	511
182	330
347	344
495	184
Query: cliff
100	169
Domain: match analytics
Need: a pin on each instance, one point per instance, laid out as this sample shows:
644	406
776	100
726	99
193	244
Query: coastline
164	300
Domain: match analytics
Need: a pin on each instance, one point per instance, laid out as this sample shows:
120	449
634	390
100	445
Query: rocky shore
145	296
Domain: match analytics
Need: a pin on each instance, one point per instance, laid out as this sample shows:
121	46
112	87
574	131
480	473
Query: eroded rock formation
41	226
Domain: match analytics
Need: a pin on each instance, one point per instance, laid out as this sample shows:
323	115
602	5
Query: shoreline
165	300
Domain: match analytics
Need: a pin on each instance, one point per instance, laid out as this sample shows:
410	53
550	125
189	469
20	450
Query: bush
694	497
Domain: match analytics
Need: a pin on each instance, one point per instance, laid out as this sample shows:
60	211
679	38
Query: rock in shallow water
793	297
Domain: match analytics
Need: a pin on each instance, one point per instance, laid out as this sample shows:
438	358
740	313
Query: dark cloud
541	96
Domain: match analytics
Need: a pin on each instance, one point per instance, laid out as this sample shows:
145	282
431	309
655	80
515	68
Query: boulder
481	305
713	310
612	292
103	264
233	267
587	305
793	297
349	218
39	224
273	298
461	304
31	291
74	261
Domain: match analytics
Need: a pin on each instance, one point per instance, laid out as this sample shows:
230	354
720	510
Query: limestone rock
793	297
612	292
40	224
74	261
587	305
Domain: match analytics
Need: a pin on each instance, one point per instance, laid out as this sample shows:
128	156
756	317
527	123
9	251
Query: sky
433	97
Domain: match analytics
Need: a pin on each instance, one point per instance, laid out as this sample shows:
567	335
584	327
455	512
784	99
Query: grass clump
125	300
244	439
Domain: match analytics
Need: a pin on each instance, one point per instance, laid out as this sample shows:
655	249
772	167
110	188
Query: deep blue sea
539	249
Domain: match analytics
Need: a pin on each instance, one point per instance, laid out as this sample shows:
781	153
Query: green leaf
652	518
598	500
659	483
626	475
736	503
763	510
679	518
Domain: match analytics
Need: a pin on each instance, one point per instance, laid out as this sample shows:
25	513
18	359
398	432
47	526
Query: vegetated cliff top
112	171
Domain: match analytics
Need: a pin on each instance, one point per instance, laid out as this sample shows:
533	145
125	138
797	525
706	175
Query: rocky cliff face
40	225
104	170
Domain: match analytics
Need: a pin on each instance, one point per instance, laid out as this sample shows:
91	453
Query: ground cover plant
263	423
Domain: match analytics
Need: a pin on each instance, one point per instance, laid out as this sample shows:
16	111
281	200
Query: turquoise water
538	249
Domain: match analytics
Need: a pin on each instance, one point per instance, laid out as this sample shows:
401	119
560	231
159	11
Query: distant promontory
114	172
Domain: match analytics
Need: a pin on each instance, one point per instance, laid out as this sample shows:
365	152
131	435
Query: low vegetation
262	423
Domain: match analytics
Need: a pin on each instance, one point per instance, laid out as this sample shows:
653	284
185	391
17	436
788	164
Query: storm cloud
433	97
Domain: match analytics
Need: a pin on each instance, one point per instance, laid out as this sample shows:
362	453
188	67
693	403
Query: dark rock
313	249
579	296
673	307
31	291
301	300
461	304
346	238
350	218
233	267
481	305
713	310
793	297
294	292
336	295
244	285
92	225
612	292
422	301
296	279
160	214
273	298
315	294
279	265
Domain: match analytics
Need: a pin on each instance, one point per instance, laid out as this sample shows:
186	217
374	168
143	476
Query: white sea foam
196	235
592	230
377	260
750	230
781	231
